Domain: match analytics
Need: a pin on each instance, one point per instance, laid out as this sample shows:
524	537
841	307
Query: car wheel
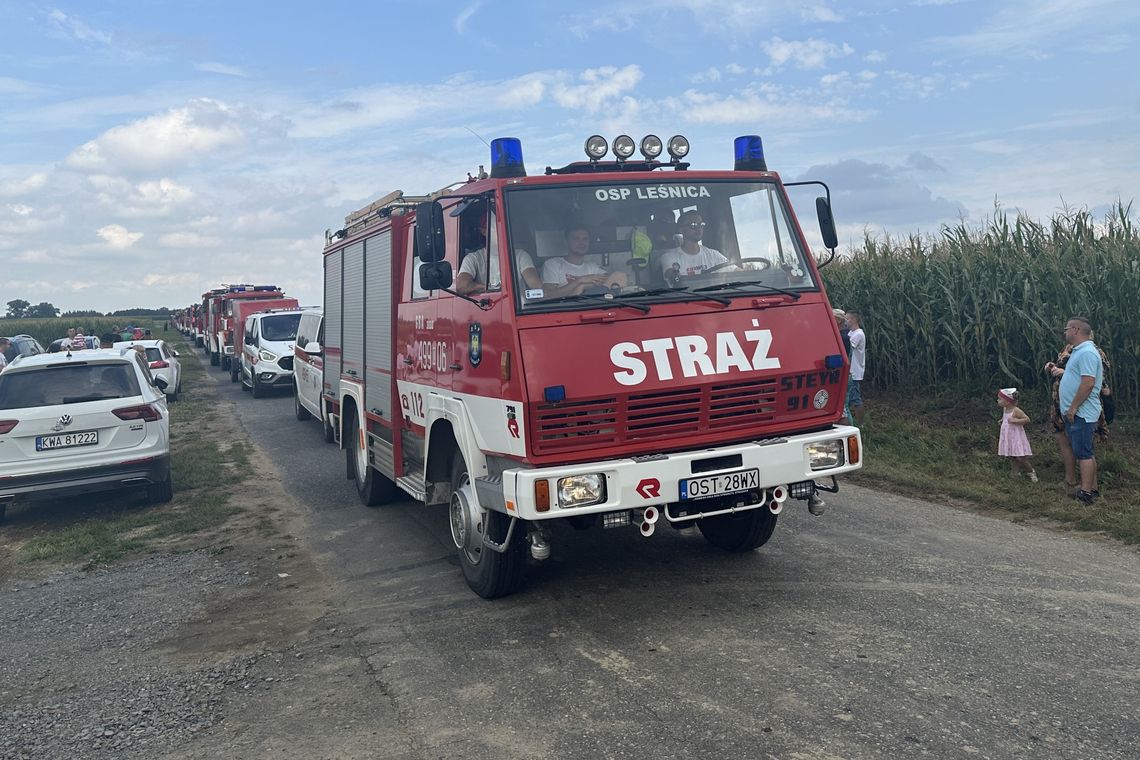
740	532
373	487
489	573
172	396
258	389
161	492
299	410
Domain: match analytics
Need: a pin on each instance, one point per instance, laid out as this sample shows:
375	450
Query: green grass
943	448
205	472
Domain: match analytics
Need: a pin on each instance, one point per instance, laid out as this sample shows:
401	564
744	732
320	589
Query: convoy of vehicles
241	311
267	350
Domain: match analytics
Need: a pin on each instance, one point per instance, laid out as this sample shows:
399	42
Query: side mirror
160	383
175	353
435	276
312	348
430	244
826	223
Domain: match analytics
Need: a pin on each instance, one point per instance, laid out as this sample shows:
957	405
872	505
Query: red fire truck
202	322
220	318
624	342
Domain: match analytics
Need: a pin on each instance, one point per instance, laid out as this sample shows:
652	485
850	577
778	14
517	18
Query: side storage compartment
333	319
378	378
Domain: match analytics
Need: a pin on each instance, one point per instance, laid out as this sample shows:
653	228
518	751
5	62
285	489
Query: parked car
163	362
80	423
308	371
58	344
267	350
22	345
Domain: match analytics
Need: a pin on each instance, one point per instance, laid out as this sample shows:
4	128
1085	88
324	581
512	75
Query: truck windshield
651	242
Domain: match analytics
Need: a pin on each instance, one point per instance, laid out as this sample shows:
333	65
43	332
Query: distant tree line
21	309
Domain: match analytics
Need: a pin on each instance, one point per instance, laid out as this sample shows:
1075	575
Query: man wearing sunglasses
692	257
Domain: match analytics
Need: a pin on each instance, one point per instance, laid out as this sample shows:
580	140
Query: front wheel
326	423
257	388
741	532
489	573
373	488
235	371
215	360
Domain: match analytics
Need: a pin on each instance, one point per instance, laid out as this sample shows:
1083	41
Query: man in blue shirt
1079	397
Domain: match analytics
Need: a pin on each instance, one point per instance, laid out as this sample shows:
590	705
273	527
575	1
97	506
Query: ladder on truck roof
394	202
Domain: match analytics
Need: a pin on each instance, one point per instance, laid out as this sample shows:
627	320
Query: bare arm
1018	417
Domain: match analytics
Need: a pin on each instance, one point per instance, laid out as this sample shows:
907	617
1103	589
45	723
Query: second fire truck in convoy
623	342
219	319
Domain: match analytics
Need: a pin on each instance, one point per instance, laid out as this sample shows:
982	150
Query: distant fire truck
623	342
219	307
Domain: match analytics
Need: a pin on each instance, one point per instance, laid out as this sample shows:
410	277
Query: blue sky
149	150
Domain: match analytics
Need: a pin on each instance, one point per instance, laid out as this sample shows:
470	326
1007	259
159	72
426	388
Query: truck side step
414	486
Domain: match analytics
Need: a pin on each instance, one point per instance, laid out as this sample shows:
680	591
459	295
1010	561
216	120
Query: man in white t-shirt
858	365
4	344
571	274
473	275
691	257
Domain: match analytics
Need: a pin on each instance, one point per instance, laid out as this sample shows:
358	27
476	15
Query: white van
267	350
308	373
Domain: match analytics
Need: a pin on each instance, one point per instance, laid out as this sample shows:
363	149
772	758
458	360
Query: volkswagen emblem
64	420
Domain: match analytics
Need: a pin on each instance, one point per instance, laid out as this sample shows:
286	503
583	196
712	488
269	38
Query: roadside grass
205	469
944	448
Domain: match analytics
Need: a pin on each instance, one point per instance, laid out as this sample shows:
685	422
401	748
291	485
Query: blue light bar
507	158
554	394
750	154
835	361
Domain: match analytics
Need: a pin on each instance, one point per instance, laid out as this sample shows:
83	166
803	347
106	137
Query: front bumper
70	482
271	375
639	482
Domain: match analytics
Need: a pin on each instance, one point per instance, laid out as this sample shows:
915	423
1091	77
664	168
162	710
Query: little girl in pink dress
1012	442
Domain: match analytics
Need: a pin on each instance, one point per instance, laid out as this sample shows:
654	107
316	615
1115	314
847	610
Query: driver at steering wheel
691	257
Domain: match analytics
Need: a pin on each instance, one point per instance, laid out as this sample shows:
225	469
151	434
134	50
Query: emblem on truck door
475	343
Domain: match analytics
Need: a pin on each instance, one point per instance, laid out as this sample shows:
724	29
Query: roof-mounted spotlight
624	146
678	147
750	154
596	147
507	157
651	146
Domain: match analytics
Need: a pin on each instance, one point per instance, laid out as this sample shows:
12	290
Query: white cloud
820	13
118	236
875	56
188	240
77	29
597	87
779	112
221	68
804	54
175	138
465	16
23	186
11	86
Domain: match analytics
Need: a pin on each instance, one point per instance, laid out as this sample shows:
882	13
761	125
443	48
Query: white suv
73	423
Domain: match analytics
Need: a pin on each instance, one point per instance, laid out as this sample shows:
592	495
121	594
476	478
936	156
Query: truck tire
235	371
489	573
3	510
214	359
226	364
373	488
326	423
299	411
739	533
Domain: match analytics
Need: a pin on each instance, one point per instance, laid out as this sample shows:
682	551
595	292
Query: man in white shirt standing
572	273
4	344
858	364
691	257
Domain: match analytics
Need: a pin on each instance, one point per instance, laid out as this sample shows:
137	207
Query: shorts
854	392
1080	435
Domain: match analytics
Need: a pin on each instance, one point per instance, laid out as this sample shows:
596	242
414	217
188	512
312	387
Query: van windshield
576	245
280	327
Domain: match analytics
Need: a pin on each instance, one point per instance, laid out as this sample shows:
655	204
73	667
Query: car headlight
581	490
267	356
825	454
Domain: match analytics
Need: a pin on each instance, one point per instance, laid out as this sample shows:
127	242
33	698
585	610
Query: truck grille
642	417
285	363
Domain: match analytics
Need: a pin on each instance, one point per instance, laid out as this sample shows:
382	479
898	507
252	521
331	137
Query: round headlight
678	146
651	146
624	146
596	147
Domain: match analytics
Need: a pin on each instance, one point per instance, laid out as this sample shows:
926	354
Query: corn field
986	307
48	329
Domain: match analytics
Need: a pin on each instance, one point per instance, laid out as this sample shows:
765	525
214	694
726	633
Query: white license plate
715	485
67	440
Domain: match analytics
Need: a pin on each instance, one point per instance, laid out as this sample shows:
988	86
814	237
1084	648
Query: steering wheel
765	264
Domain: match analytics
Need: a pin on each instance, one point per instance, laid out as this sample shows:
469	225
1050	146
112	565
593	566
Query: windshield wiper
595	301
750	283
688	295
